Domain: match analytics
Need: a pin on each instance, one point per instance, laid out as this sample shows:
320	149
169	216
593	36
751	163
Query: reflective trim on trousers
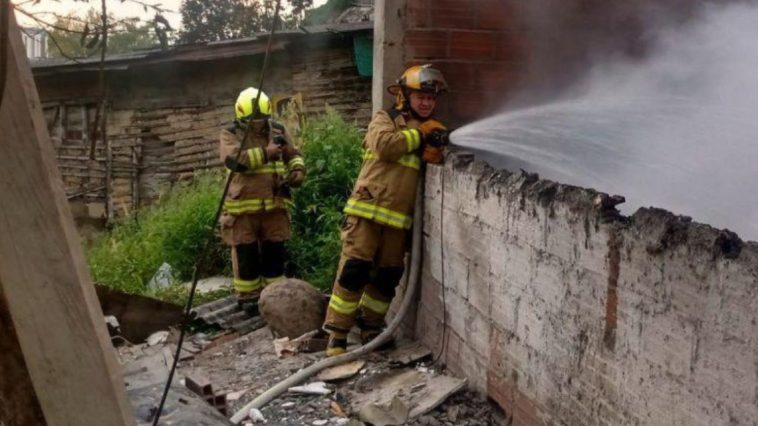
342	306
247	286
255	205
378	214
378	306
269	281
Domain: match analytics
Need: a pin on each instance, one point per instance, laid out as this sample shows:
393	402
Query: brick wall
474	43
495	52
566	314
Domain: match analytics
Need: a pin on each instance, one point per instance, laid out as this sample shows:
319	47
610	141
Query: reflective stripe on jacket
385	191
260	188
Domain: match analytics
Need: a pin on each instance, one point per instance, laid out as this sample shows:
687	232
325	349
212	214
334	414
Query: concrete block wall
565	313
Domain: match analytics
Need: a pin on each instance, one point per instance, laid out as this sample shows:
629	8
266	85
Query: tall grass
172	231
332	151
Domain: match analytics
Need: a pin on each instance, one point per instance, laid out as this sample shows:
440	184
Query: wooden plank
18	402
43	276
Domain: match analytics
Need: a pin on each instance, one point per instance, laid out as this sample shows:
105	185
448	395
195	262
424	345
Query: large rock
292	308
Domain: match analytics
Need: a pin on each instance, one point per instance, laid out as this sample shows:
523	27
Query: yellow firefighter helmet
243	109
423	78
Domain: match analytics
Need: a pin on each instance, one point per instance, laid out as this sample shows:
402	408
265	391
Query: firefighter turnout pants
371	266
258	249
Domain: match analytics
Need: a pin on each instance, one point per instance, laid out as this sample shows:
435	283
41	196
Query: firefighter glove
295	178
273	152
427	127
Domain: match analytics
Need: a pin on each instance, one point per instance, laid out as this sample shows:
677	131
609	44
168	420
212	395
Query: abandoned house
165	107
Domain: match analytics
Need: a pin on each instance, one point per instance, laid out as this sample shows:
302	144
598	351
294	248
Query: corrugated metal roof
226	314
195	52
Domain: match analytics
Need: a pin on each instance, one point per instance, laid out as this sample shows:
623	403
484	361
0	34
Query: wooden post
46	292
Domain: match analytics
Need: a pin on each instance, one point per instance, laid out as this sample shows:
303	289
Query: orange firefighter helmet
423	78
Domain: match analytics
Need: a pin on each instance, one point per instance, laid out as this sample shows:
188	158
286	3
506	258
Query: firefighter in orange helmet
380	209
255	221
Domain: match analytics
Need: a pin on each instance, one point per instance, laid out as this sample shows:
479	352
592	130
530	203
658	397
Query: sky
119	8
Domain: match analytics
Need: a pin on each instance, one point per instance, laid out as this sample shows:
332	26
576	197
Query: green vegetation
332	151
174	230
80	38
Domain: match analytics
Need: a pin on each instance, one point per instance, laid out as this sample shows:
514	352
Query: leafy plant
332	151
172	231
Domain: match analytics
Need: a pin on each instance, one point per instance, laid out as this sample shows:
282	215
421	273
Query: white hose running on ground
410	289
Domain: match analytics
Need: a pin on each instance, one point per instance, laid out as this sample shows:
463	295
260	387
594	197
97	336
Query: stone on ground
292	308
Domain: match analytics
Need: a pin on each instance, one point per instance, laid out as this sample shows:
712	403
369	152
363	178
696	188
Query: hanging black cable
5	11
202	254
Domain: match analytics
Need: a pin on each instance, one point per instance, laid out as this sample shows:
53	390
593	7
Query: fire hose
411	285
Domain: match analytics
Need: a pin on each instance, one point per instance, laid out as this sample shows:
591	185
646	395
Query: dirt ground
245	367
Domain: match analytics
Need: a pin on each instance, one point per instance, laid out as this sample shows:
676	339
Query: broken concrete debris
157	338
308	342
313	388
408	353
422	392
386	413
162	278
341	372
233	396
256	416
212	362
200	385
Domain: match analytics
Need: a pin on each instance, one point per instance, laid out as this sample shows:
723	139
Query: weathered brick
474	367
495	14
511	47
452	14
459	75
684	348
479	279
417	13
457	311
498	79
453	345
467	105
472	45
431	294
478	334
427	44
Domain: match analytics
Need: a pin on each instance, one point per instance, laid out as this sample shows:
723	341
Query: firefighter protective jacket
385	191
262	187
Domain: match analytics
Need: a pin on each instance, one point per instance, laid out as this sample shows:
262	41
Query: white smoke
678	130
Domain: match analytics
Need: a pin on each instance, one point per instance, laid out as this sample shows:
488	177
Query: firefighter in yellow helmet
255	221
380	209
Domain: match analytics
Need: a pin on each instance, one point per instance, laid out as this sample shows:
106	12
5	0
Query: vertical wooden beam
44	281
389	47
18	402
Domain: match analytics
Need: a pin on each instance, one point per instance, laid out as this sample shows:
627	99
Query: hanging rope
4	45
202	254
